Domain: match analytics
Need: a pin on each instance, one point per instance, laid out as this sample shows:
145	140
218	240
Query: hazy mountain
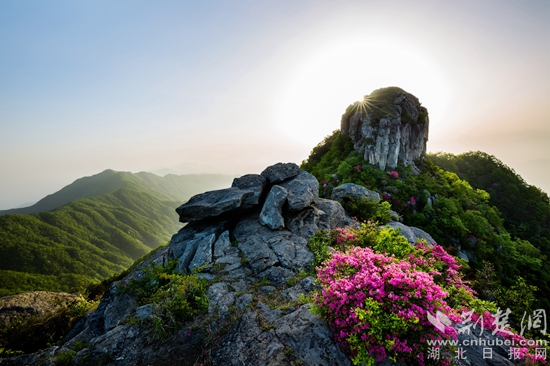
169	187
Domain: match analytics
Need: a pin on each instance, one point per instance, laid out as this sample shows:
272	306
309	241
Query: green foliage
319	246
175	298
324	156
519	298
380	323
367	209
390	241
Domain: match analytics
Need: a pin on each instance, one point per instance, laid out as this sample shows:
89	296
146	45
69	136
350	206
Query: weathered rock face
387	127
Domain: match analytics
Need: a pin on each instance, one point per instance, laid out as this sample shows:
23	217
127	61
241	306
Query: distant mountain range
92	228
170	187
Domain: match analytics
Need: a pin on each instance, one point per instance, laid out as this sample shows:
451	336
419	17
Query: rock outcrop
386	127
250	242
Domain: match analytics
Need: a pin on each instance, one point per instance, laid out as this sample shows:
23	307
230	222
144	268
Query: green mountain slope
82	242
170	187
92	228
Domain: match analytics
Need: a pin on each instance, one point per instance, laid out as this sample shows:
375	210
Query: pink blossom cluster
438	263
347	279
343	235
393	174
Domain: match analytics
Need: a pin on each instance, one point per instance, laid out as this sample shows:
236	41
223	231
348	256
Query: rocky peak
388	126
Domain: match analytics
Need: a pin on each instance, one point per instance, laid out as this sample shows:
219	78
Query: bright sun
322	86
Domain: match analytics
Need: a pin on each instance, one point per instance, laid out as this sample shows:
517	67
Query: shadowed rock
251	182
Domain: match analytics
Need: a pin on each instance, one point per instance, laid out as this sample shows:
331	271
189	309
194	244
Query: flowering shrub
379	305
377	291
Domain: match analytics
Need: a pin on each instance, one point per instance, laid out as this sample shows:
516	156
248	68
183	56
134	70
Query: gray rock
207	276
192	231
251	182
213	203
394	216
421	234
188	255
221	298
305	223
303	189
335	215
310	338
118	310
463	255
144	311
267	289
233	266
394	129
239	286
500	355
203	253
276	275
411	233
272	211
280	172
299	335
229	259
243	301
222	245
305	286
352	190
265	248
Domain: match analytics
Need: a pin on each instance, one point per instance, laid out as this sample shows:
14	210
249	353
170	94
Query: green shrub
175	298
368	209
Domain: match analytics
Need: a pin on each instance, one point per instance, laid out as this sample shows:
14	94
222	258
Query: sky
234	86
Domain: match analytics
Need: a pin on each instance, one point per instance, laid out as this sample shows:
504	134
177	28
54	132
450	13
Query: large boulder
214	203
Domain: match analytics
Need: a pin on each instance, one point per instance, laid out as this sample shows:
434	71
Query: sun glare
321	87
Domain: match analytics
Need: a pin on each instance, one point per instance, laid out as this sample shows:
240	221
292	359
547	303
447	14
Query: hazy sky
234	86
